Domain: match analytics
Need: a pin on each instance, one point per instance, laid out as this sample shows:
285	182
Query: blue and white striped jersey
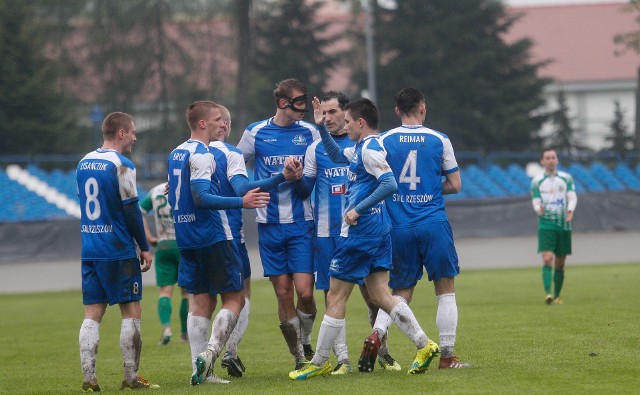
270	145
229	163
106	182
330	186
419	157
192	162
367	164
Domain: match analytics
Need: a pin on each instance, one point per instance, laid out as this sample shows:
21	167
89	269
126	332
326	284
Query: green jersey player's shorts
556	241
167	260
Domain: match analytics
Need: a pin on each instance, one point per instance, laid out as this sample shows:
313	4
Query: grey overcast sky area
519	3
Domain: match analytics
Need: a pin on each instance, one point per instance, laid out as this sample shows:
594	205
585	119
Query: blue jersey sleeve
204	199
304	186
133	219
333	149
241	184
386	188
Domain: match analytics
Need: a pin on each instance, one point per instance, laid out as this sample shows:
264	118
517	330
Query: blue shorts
114	282
286	248
215	269
243	254
357	257
323	249
428	245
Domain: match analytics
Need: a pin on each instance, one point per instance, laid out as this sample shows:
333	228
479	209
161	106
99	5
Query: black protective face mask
301	98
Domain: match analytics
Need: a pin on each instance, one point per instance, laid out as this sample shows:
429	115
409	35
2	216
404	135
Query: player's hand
292	169
318	117
569	216
351	217
255	199
541	210
145	260
166	189
152	240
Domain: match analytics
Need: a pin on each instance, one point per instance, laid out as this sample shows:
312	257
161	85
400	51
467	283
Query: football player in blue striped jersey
285	226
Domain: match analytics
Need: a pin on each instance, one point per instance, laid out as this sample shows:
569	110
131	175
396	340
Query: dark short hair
198	110
113	122
286	87
408	100
545	150
342	99
365	109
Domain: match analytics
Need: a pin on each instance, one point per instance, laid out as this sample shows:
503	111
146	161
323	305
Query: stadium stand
585	181
35	194
21	204
607	177
627	176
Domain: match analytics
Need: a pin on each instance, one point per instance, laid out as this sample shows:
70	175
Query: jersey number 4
408	174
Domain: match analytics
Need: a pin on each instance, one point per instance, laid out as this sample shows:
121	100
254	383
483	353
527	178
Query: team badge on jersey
299	140
338	189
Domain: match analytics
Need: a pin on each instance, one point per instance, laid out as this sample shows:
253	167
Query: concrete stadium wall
602	212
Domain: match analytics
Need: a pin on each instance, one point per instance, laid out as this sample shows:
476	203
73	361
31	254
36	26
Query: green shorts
556	241
166	262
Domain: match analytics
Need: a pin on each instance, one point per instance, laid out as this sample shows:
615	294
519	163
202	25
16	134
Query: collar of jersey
412	126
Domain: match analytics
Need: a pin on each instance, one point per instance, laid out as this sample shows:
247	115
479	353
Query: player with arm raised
364	246
330	180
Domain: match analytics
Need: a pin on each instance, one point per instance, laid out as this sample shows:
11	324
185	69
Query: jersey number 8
91	190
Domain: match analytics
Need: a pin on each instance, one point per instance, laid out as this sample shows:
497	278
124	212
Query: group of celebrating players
336	199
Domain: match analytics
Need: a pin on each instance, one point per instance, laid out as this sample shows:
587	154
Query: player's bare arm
255	199
452	183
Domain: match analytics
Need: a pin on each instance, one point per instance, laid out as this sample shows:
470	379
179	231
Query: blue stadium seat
20	204
519	175
477	185
585	178
624	173
607	177
505	179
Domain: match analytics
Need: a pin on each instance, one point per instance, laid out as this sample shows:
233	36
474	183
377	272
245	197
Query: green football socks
164	310
558	279
546	278
184	312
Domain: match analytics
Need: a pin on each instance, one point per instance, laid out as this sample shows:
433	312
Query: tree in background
35	115
141	61
631	41
563	137
288	42
620	138
243	29
481	91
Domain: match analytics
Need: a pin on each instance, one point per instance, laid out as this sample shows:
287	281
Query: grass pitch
516	343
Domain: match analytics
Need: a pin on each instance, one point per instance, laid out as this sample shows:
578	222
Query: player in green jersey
554	200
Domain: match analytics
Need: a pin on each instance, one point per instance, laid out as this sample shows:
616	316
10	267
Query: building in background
578	38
